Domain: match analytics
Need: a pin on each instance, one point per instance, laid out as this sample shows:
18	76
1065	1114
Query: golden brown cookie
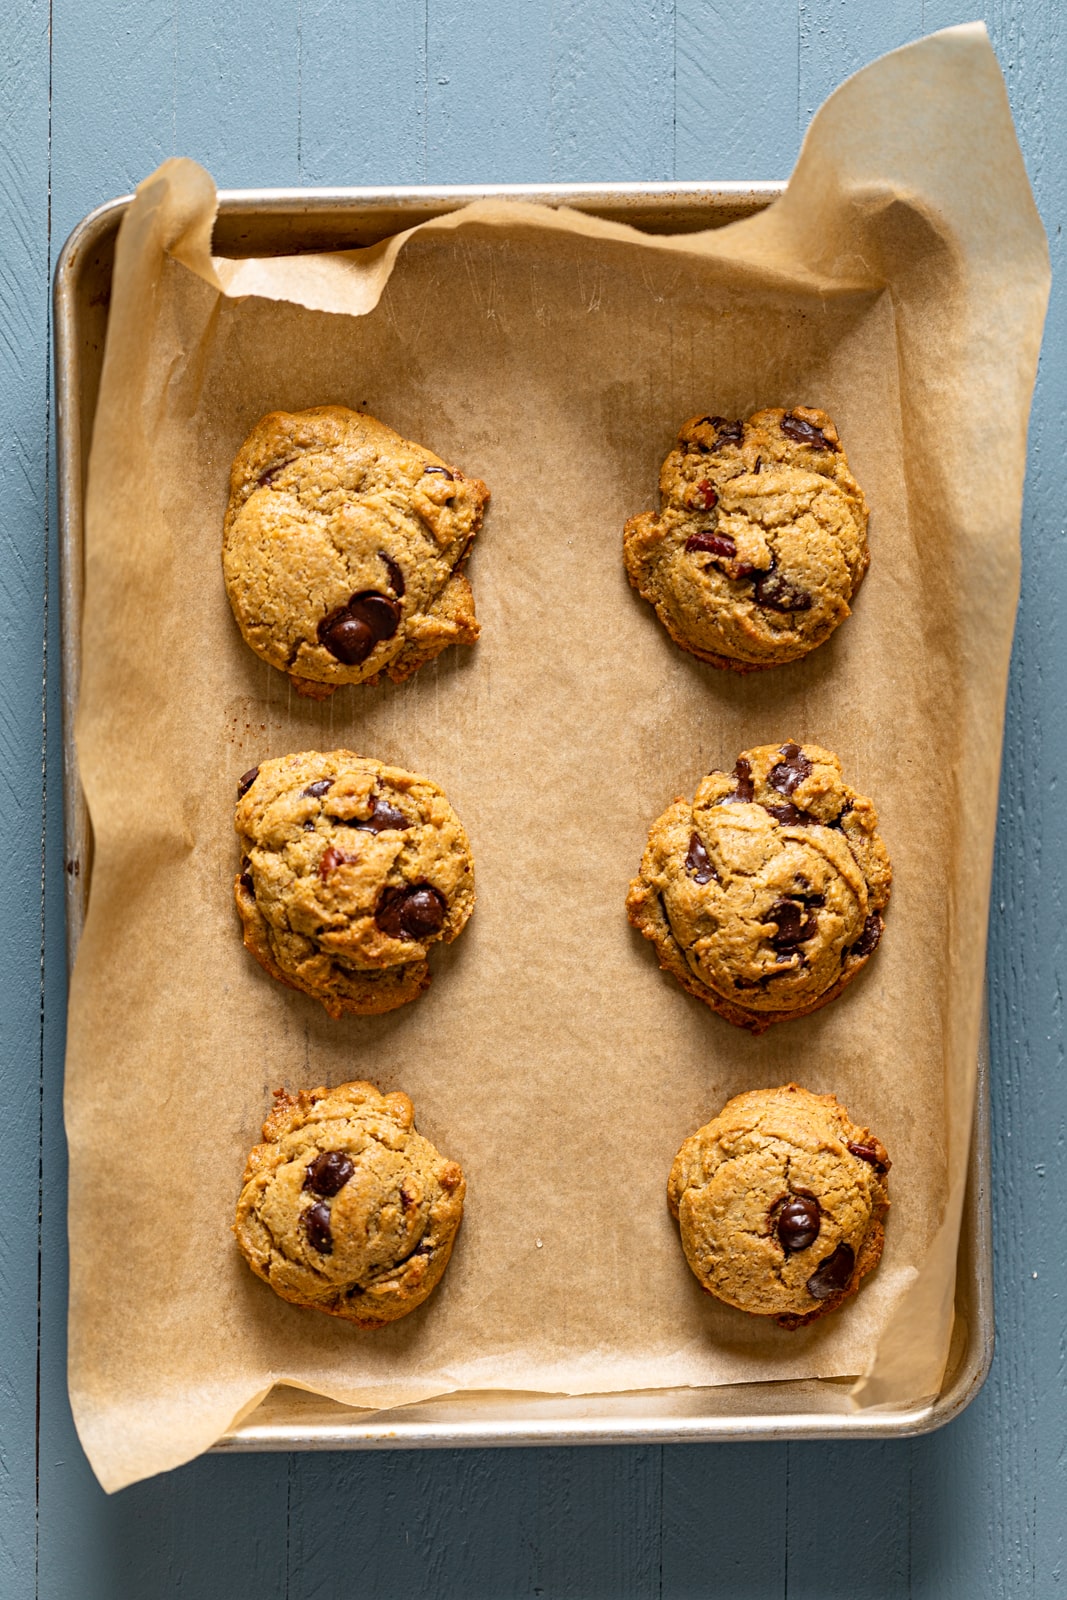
764	896
343	549
350	871
780	1200
761	540
345	1207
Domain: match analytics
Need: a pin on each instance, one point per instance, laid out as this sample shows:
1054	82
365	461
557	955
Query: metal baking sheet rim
265	221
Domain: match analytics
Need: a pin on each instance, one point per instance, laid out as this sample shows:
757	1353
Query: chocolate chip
246	882
805	433
351	632
793	925
868	939
414	913
867	1152
308	824
789	815
743	792
332	859
799	1222
725	432
697	862
247	780
328	1173
716	544
383	818
759	463
442	472
408	1197
776	593
793	768
319	787
832	1274
380	612
702	497
317	1228
346	637
396	577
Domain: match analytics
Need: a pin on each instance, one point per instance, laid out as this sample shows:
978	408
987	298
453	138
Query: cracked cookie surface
764	895
350	870
343	548
780	1202
345	1207
761	540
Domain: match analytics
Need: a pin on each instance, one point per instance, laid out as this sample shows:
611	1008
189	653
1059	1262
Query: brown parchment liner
900	284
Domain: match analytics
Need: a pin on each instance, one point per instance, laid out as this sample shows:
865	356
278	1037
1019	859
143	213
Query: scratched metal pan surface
260	222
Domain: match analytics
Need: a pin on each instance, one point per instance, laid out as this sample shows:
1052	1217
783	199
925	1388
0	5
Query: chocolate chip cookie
343	549
780	1200
764	896
761	540
350	871
345	1207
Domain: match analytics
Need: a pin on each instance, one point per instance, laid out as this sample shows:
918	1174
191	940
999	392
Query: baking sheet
550	1057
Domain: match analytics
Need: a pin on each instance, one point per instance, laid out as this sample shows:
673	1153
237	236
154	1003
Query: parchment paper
900	284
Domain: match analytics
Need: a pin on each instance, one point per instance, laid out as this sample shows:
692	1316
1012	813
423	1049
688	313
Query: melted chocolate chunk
247	780
318	788
743	791
798	1224
867	1152
703	498
698	862
715	544
726	432
776	593
793	768
351	632
332	859
383	818
346	637
308	824
802	432
832	1274
317	1228
794	926
380	612
415	913
442	472
759	463
328	1173
788	814
396	577
868	939
246	879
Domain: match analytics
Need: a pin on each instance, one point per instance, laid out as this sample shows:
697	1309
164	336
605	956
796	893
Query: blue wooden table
93	95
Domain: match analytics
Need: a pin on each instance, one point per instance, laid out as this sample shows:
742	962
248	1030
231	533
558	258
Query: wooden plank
736	89
24	391
363	91
463	1524
611	107
724	1520
200	78
488	93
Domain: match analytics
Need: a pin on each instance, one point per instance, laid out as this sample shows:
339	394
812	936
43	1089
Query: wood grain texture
357	91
